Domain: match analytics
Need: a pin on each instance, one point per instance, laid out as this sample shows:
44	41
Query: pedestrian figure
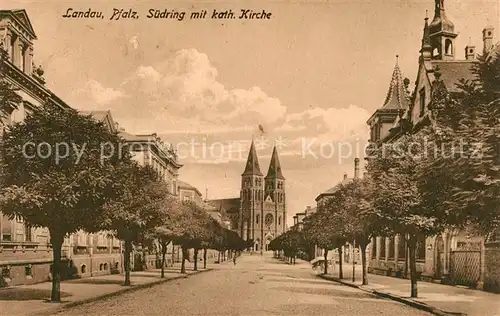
234	260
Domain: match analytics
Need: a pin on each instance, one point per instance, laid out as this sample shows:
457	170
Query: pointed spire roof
252	167
396	98
275	166
426	39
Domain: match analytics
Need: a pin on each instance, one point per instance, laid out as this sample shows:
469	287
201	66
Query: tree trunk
56	240
195	258
218	259
163	255
363	263
412	245
204	258
326	262
406	260
294	258
144	265
184	255
341	273
126	259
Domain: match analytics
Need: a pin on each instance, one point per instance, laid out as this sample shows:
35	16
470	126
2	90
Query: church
259	214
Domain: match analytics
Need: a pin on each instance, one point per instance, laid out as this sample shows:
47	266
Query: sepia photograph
250	157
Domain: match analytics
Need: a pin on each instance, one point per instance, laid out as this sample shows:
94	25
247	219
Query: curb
408	301
63	307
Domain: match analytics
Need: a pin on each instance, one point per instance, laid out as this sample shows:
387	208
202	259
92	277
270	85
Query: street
256	285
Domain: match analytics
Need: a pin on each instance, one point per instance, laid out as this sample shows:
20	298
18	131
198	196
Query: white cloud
186	86
98	93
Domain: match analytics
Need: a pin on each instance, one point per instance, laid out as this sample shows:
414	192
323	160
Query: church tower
251	196
274	201
442	34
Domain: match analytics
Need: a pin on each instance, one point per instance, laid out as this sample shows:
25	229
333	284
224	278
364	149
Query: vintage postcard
323	157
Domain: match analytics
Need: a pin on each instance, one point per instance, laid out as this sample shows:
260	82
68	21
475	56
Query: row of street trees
434	177
67	172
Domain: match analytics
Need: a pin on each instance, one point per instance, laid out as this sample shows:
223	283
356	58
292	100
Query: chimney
470	52
345	176
487	38
356	168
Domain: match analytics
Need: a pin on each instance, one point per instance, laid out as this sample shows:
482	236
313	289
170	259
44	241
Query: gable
22	18
423	81
269	199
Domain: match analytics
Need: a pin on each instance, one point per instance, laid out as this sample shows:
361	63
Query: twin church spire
253	168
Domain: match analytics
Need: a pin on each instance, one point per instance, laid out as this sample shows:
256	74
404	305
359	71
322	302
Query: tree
54	174
467	131
361	223
164	231
137	209
396	199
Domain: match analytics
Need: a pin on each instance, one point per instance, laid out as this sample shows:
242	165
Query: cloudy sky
311	76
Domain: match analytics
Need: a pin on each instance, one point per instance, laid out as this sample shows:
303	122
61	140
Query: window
422	101
257	217
28	270
6	229
448	47
23	57
382	248
13	48
401	248
279	220
374	248
83	269
391	249
420	251
27	232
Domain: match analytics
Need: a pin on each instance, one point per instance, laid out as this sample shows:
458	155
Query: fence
465	267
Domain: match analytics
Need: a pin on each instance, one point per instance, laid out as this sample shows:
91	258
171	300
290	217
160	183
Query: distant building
187	192
349	253
260	211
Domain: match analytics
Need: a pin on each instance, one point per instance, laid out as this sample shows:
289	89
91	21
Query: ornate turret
396	98
426	49
442	34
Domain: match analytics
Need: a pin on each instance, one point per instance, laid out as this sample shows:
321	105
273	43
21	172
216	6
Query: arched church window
279	220
257	217
448	47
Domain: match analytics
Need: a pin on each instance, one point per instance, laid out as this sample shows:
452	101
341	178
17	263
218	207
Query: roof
275	166
102	116
21	17
231	205
396	97
252	167
334	189
185	185
453	71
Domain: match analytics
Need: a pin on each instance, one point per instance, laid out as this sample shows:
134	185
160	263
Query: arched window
105	266
257	217
83	269
448	47
279	220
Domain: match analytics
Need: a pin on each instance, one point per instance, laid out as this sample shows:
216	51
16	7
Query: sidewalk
33	299
435	298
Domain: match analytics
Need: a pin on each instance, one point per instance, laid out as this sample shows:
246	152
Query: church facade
259	214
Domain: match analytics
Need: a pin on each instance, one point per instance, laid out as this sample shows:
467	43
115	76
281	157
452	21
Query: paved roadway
256	285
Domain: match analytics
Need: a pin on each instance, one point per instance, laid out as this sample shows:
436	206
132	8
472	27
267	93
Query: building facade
259	213
455	256
25	252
